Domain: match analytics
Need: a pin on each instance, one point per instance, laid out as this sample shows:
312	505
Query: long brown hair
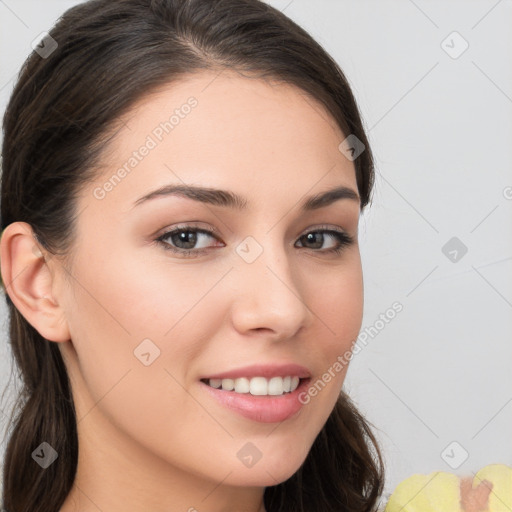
109	54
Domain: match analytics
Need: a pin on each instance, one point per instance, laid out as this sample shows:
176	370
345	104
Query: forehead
226	130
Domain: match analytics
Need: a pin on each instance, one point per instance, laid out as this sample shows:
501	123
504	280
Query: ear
28	280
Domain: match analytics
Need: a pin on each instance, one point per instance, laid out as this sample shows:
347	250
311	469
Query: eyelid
328	227
214	231
322	227
185	225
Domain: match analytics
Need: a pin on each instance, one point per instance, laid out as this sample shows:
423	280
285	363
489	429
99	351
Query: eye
186	240
318	237
190	241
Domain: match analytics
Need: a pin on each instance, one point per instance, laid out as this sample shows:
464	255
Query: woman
182	184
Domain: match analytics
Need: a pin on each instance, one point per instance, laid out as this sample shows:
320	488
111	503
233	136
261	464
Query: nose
268	297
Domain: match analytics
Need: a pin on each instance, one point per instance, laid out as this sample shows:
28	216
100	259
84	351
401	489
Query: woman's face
149	326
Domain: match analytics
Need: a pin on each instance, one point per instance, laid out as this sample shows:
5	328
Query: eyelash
343	238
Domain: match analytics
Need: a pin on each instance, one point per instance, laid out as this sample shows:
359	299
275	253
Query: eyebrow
227	199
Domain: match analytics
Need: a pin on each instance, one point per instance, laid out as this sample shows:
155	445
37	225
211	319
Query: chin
263	477
269	470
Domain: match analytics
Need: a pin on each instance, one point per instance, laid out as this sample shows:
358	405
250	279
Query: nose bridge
269	295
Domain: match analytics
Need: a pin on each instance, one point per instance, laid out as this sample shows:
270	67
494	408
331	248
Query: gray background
441	131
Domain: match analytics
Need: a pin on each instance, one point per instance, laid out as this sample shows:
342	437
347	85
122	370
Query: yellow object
441	492
435	492
500	499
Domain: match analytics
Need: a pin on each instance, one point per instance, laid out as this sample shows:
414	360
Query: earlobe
28	281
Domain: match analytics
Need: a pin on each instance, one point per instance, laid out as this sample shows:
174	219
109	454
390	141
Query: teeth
242	385
259	386
215	383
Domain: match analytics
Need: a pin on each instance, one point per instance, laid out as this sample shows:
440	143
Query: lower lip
265	409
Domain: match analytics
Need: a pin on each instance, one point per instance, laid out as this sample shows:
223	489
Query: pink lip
268	371
265	409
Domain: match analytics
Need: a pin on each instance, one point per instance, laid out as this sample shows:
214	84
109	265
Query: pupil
187	237
311	236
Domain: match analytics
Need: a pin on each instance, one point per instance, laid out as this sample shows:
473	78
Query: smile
257	386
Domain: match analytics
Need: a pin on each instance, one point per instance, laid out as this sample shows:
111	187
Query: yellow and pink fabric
489	491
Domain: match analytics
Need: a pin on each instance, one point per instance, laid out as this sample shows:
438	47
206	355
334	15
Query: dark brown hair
110	54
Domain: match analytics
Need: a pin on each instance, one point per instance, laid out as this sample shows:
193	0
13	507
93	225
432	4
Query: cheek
336	297
121	302
338	304
137	298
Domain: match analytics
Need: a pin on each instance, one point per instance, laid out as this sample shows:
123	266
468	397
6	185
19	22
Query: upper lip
264	370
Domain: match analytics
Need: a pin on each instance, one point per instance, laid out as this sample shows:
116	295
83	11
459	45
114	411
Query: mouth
260	399
257	386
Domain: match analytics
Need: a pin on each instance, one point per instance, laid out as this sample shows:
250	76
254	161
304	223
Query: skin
150	437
